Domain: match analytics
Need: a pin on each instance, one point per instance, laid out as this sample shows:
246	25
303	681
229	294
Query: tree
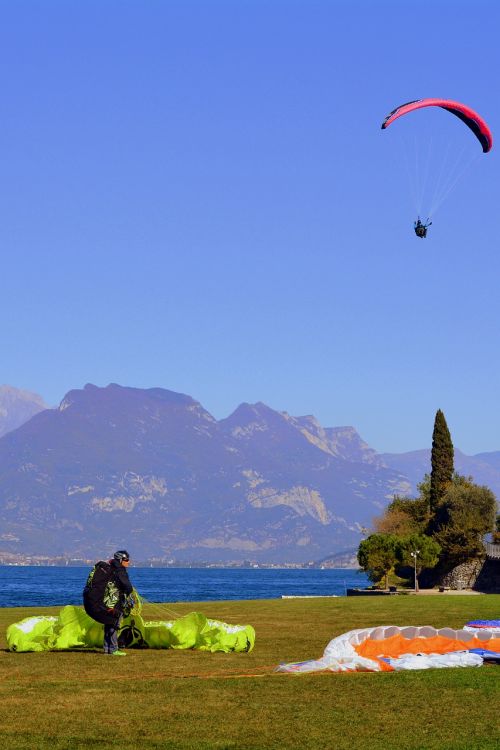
395	521
377	556
406	515
441	462
467	514
496	533
426	549
416	509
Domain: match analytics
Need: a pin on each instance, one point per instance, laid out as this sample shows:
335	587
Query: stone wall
488	579
463	576
480	575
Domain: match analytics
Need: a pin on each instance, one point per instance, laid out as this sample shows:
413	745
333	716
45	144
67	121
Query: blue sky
198	196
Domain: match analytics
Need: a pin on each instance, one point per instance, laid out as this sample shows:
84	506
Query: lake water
41	586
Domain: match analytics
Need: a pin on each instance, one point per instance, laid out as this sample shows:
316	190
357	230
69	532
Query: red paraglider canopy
471	118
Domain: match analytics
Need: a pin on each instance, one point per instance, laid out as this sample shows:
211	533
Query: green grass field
193	700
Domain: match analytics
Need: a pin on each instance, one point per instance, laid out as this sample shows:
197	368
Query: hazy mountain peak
309	421
312	430
9	392
348	444
17	407
246	414
114	394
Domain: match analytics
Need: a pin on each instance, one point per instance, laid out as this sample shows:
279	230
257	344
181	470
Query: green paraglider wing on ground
73	628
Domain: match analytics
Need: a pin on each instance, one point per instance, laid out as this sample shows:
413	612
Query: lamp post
415	555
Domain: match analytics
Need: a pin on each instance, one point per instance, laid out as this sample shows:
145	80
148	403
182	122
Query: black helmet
121	556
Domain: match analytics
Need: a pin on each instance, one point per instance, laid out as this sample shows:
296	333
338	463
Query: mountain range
153	471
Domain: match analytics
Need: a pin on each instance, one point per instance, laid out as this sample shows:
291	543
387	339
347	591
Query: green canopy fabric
73	628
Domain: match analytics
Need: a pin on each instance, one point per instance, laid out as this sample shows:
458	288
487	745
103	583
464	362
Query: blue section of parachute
487	655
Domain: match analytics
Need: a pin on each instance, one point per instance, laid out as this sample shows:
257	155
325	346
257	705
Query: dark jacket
106	589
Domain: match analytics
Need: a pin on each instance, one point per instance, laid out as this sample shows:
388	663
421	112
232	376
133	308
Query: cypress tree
441	461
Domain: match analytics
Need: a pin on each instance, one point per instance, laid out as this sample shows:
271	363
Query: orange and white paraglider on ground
390	648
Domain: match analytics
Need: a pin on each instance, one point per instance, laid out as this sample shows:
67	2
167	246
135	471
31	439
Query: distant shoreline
186	566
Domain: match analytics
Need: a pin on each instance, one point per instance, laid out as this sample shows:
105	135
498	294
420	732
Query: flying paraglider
469	117
421	228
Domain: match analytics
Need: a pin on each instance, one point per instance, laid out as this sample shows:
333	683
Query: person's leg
111	637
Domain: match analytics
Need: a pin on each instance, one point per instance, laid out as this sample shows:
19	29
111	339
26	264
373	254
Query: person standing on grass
106	592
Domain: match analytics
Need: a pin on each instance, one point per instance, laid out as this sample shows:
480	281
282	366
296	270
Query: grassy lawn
193	700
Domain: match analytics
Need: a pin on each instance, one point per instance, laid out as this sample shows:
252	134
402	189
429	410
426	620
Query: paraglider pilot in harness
421	228
107	596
